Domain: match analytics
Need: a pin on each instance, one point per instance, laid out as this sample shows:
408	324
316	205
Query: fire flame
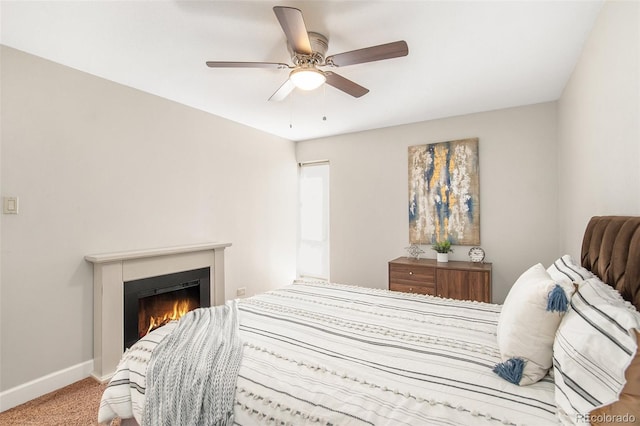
180	307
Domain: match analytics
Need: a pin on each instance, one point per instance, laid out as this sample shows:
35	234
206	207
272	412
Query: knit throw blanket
192	374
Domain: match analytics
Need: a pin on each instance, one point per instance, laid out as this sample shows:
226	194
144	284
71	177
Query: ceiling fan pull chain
324	103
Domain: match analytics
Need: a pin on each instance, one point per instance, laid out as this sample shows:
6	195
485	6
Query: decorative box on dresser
453	279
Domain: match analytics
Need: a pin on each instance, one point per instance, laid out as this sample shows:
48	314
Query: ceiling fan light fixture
307	78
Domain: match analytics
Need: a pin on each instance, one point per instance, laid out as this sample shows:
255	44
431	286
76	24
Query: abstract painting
444	193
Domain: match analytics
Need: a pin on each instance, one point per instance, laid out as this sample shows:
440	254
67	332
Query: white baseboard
102	379
43	385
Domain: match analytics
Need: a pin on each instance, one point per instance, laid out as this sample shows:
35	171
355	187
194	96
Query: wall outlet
241	292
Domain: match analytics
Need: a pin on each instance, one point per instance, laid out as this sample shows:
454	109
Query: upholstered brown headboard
611	250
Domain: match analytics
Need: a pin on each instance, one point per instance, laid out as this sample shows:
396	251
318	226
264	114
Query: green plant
442	246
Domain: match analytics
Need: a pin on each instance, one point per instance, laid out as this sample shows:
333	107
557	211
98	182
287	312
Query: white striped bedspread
331	354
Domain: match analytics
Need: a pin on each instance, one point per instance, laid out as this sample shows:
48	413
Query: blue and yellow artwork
444	193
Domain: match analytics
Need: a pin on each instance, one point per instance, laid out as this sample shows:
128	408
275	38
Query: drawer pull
410	273
410	288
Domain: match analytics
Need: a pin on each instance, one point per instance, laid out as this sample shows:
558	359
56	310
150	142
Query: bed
331	354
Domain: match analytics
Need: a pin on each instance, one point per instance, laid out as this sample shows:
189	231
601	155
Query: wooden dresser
453	279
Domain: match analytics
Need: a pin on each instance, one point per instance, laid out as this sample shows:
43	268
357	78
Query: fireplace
114	272
152	302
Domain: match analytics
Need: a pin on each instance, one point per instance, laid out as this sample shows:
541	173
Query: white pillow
595	343
568	270
527	326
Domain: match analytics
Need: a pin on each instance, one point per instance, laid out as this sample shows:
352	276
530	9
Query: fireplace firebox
152	302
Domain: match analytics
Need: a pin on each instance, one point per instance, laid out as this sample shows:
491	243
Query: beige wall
101	167
369	192
599	125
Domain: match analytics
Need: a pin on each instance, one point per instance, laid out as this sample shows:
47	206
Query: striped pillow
627	408
566	269
594	345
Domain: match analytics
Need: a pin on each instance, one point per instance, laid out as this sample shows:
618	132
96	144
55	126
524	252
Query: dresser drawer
412	275
420	289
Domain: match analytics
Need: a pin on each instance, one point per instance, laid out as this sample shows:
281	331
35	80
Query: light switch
10	205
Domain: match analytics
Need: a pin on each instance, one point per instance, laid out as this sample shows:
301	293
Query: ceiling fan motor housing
319	45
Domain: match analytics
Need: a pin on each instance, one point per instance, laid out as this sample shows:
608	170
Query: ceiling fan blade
294	28
284	90
369	54
344	84
227	64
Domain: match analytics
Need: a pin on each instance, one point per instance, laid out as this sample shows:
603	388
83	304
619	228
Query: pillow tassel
557	300
510	370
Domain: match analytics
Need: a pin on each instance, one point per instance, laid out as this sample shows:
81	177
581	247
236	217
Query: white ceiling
464	57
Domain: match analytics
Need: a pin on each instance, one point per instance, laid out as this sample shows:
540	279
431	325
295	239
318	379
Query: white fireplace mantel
112	270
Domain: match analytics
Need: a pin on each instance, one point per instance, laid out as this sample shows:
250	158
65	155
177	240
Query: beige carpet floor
73	405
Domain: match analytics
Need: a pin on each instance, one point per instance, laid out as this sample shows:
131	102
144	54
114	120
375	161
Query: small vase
442	257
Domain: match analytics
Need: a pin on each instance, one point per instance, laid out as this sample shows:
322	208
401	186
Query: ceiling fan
308	51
